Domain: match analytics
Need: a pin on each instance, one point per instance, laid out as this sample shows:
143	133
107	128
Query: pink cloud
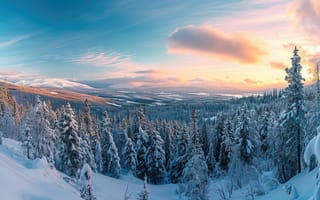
307	14
278	65
103	59
206	41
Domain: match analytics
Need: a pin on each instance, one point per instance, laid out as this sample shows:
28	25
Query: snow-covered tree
129	156
43	137
89	138
226	145
155	158
195	176
195	173
86	189
70	158
110	157
292	122
144	194
141	149
180	155
244	138
27	146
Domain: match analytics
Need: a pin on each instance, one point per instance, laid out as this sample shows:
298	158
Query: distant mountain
54	83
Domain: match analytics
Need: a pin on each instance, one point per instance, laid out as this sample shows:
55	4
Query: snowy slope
53	83
23	179
30	180
114	189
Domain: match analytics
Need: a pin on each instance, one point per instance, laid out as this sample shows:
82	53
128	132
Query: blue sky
85	39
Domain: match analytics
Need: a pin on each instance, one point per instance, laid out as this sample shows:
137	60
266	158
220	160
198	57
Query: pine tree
141	149
144	194
87	152
86	190
70	157
195	173
244	137
129	157
43	138
155	158
292	120
180	155
89	138
27	145
110	157
226	145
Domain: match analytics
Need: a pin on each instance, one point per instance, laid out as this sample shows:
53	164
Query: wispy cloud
251	81
278	65
109	59
211	42
14	40
307	14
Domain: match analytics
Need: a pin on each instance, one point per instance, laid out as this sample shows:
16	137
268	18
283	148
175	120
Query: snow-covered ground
35	180
25	179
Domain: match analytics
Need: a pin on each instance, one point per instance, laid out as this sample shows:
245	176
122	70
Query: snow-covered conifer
111	161
144	194
155	158
70	157
86	189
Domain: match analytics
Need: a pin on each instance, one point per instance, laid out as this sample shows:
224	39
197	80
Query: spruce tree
195	173
111	161
292	122
129	156
180	155
155	158
144	194
70	157
141	149
86	190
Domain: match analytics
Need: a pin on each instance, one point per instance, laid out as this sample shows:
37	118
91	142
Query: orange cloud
277	65
307	14
214	43
251	81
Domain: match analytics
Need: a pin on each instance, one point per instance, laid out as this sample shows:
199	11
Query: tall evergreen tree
180	155
86	190
144	194
141	149
226	146
129	156
70	157
110	157
155	158
195	173
292	122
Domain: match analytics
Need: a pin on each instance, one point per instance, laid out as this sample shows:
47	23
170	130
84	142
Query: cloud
15	75
149	71
251	81
14	40
102	59
307	14
214	43
278	65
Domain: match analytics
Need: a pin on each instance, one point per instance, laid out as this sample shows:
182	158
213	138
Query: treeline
185	144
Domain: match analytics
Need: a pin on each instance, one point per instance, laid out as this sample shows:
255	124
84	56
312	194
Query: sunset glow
240	45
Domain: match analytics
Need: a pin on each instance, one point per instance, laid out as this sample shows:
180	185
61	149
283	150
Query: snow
35	180
30	179
200	94
109	188
114	104
53	83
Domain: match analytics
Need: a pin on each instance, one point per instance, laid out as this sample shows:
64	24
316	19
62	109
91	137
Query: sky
224	45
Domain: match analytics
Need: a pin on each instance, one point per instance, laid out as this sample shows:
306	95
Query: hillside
35	180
